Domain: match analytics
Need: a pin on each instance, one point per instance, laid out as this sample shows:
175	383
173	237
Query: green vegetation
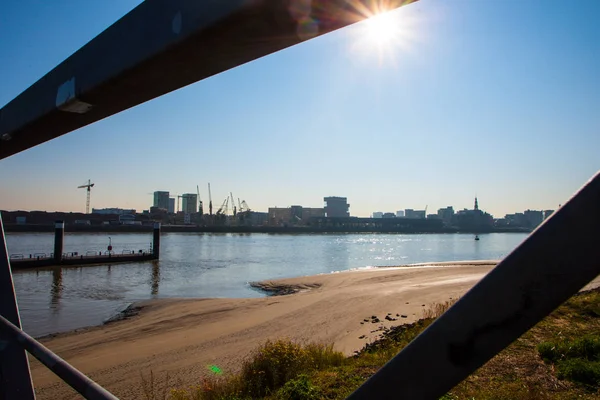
557	359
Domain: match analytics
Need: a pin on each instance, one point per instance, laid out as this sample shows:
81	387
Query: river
212	265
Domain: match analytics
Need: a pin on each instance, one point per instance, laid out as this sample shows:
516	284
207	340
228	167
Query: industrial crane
223	209
232	204
209	200
200	206
89	185
244	206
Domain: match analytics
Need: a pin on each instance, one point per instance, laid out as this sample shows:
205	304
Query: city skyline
167	195
458	105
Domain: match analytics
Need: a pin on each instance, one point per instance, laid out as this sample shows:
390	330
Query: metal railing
78	381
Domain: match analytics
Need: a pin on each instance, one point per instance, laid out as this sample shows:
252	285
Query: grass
559	358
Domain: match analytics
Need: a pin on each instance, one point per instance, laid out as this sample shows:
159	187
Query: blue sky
495	98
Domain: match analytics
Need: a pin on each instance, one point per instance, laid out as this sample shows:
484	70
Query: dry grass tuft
152	388
435	310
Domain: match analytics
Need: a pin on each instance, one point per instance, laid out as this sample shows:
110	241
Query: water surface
212	265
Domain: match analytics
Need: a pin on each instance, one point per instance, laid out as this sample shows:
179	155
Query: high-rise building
336	207
400	214
161	199
189	203
171	208
378	214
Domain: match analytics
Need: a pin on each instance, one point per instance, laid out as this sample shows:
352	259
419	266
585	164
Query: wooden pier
58	258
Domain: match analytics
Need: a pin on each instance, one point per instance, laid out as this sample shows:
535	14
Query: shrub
578	370
299	389
276	362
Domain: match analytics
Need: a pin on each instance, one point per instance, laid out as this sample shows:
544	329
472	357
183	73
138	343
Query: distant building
548	213
112	211
158	211
516	220
400	214
433	216
534	218
254	218
475	219
127	219
280	216
171	209
377	214
161	199
308	212
446	214
336	207
294	215
389	215
189	203
420	214
415	214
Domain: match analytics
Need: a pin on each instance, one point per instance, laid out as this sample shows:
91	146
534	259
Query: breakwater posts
58	258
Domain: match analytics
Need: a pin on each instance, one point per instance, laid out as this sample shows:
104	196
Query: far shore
182	337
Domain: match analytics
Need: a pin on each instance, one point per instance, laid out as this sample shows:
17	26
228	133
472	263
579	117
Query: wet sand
183	337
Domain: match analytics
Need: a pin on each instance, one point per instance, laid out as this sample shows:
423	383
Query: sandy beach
183	337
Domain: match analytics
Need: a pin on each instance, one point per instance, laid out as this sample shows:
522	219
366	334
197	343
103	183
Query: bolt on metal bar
552	264
15	377
78	381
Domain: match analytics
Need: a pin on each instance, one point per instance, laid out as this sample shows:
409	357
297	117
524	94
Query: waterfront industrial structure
58	257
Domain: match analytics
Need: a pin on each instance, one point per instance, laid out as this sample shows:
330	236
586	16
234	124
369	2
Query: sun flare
386	35
381	29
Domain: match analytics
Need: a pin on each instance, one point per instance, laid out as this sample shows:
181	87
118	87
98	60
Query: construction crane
233	208
89	185
223	209
244	206
200	206
209	200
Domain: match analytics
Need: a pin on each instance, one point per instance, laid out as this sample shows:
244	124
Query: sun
385	35
382	29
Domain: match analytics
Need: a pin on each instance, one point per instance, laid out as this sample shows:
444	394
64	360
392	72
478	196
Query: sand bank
183	337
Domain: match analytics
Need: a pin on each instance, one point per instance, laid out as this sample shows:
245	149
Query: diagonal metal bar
161	46
551	265
15	378
78	381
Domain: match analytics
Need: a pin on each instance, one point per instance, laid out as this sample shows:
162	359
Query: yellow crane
89	185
